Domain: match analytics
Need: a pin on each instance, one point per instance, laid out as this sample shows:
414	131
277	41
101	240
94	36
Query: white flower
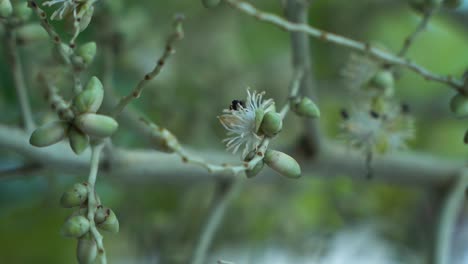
239	121
68	7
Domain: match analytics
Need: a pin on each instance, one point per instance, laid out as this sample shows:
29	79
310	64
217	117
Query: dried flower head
241	123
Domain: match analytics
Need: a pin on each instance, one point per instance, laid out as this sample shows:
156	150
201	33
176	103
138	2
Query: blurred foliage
224	52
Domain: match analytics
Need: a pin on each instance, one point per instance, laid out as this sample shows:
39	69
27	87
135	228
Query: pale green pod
86	250
453	3
49	134
75	226
306	107
106	220
459	105
90	99
87	51
210	3
96	125
272	124
259	114
75	196
21	10
255	170
282	163
32	32
6	9
78	141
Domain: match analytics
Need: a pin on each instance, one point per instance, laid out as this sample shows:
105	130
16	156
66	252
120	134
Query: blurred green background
224	52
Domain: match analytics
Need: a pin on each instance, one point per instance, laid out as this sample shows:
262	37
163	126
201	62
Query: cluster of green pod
15	8
83	124
77	225
280	162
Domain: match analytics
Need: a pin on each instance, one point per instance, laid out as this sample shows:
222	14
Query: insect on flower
241	123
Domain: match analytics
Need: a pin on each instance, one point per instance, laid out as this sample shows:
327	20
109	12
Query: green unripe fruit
272	124
453	3
86	250
259	114
282	163
90	99
210	3
21	10
87	51
49	134
78	141
306	107
75	226
106	220
31	32
6	9
459	105
96	125
75	196
255	170
384	82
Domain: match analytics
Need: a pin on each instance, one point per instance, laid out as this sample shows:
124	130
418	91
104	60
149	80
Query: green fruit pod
96	125
90	99
75	196
383	81
21	10
49	134
6	9
453	3
210	3
255	170
282	163
272	124
87	51
31	33
75	226
79	141
259	114
106	220
86	250
307	108
459	105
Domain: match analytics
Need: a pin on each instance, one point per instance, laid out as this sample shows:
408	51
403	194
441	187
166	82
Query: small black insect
374	114
344	114
235	104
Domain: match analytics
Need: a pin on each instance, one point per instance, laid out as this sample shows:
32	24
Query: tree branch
381	55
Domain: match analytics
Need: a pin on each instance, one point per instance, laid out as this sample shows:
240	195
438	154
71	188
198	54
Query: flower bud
255	170
78	141
459	105
210	3
87	51
31	33
49	134
282	163
21	10
96	125
272	124
6	9
75	226
106	220
86	250
259	114
453	3
90	99
306	107
75	196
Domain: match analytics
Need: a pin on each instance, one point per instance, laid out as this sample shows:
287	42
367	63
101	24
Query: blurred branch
14	60
20	171
143	166
386	57
178	34
297	12
224	196
451	208
410	39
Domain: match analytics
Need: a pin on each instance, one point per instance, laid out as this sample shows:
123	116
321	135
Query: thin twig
18	77
383	56
93	202
447	220
410	39
225	196
178	34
